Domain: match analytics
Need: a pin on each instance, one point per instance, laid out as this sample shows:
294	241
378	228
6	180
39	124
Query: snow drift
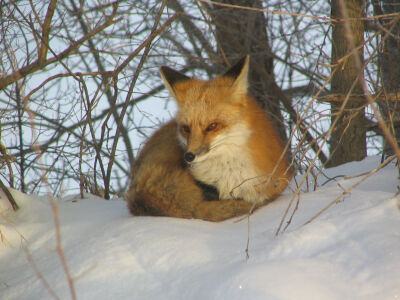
351	251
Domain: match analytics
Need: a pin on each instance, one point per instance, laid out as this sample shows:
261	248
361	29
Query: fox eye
185	129
212	126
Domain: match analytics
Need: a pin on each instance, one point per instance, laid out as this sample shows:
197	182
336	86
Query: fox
220	157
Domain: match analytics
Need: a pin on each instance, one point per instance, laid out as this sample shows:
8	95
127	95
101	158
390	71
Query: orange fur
162	186
228	143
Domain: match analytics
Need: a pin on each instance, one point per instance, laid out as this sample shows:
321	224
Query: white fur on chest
229	167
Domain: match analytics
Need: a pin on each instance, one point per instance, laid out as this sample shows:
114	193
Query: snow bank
349	252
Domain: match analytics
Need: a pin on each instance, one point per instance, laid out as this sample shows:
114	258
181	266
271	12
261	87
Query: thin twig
248	237
270	11
345	192
146	45
359	66
278	12
46	31
9	196
54	207
37	65
39	274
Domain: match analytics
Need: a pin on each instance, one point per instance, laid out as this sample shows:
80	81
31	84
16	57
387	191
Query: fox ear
171	77
239	73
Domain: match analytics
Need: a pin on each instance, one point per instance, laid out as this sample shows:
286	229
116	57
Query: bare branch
38	65
46	31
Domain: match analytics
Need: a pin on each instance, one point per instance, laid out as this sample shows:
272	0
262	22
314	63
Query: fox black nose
188	156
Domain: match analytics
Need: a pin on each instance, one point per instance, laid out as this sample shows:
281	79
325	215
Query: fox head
209	110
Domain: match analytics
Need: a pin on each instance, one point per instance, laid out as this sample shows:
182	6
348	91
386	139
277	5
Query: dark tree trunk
390	68
240	32
348	139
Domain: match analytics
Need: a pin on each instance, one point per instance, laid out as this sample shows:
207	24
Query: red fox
217	159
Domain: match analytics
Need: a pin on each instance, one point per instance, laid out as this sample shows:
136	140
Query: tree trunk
240	32
390	68
348	139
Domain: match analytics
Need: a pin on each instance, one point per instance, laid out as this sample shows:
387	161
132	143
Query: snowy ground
352	251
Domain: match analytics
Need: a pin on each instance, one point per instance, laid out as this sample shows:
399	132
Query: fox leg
215	210
178	195
219	210
163	191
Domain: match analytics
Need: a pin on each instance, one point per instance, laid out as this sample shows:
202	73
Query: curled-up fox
218	158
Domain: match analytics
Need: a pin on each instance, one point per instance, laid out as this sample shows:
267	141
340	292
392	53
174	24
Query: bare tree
69	72
348	139
390	67
79	80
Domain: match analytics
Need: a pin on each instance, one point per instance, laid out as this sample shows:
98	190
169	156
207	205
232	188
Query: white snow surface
352	251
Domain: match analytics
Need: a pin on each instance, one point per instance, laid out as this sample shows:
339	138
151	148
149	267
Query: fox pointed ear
171	77
239	72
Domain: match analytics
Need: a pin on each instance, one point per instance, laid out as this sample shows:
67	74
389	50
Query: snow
351	251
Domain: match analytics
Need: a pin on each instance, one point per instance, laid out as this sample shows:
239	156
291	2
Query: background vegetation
80	90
